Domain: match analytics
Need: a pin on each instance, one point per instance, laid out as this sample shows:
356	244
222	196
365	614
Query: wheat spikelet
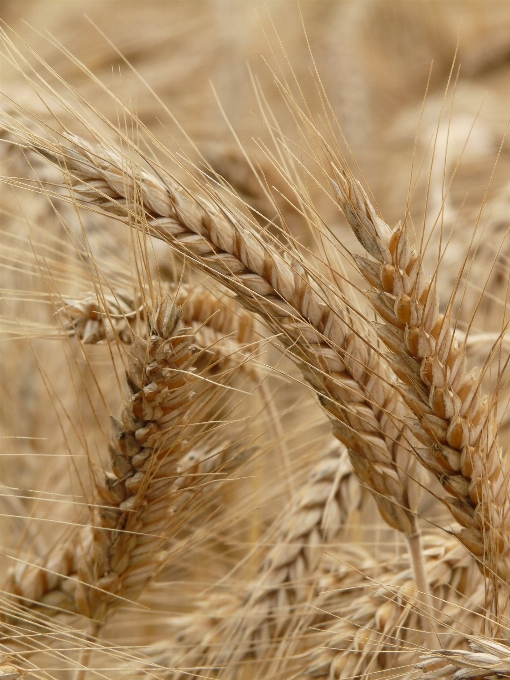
488	659
221	331
376	631
453	420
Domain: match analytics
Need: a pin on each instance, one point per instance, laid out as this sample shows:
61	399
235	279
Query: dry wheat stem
453	420
487	659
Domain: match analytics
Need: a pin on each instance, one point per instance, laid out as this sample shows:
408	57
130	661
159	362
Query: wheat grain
9	670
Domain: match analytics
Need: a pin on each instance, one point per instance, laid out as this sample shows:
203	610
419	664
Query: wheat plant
252	430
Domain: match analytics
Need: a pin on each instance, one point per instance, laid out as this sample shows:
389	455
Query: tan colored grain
9	670
224	333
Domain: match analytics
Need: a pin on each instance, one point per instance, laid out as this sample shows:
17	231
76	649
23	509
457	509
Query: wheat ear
149	444
224	334
453	420
488	659
228	629
375	631
287	576
350	379
131	518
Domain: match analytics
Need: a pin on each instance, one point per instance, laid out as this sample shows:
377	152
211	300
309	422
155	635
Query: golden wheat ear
111	561
452	419
487	659
380	627
306	313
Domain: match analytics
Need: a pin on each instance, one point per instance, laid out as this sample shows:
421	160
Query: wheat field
254	339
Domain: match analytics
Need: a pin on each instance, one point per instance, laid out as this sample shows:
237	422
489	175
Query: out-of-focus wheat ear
287	577
488	659
9	669
351	381
48	581
379	630
229	630
453	420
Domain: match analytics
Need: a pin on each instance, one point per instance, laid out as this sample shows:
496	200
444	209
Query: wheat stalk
453	421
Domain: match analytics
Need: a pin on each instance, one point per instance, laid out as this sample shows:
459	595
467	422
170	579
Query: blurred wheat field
254	339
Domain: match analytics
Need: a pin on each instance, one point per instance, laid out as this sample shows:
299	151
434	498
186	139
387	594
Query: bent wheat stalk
453	420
